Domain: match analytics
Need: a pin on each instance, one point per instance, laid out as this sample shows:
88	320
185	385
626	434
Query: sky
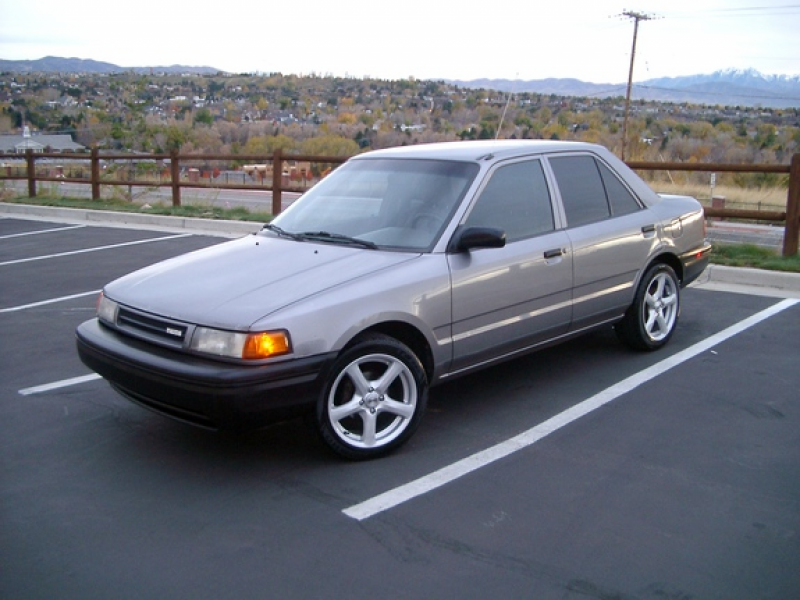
589	40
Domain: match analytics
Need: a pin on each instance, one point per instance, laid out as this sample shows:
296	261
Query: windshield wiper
325	236
282	232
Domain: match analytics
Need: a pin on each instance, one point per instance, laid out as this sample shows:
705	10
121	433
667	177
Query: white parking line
50	301
38	389
39	231
427	483
95	249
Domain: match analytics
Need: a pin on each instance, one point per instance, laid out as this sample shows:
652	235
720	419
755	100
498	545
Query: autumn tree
329	145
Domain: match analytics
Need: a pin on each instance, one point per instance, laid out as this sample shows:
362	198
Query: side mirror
471	238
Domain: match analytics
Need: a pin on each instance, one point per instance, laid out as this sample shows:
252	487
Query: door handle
553	253
648	229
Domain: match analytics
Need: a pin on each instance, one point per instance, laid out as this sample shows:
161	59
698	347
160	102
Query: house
19	144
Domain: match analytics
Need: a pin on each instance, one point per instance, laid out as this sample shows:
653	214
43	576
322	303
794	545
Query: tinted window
621	200
516	200
582	190
402	204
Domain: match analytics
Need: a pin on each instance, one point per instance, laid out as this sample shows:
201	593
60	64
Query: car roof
489	152
481	149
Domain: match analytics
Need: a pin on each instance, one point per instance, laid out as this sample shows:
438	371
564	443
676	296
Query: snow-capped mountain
730	87
749	78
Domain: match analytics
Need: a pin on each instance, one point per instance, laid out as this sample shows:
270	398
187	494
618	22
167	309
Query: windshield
400	204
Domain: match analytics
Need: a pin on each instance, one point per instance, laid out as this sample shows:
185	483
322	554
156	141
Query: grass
756	257
200	211
766	198
732	255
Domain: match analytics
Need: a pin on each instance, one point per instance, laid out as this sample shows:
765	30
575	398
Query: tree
766	135
6	123
267	145
204	117
329	145
545	114
176	136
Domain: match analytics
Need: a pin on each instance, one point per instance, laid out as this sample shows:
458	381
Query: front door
508	299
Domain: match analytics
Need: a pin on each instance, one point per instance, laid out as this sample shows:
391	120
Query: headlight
107	309
251	346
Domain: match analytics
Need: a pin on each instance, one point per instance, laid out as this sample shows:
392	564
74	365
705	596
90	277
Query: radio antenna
503	117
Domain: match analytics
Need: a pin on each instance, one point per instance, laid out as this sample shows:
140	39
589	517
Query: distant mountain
730	87
559	87
727	88
55	64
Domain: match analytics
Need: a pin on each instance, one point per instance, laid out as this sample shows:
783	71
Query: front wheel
650	321
373	400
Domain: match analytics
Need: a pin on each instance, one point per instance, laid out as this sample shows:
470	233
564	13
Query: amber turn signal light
266	345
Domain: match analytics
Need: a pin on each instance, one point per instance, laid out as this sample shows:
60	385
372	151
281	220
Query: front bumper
694	263
207	393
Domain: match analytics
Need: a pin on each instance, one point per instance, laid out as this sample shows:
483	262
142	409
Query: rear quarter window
621	200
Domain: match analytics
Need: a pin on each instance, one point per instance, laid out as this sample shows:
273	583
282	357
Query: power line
766	11
752	8
704	93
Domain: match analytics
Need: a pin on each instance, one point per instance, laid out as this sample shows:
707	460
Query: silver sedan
404	268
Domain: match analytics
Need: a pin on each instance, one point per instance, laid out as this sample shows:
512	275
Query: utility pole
636	16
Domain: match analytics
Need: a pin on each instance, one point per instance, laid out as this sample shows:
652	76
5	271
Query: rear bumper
207	393
694	263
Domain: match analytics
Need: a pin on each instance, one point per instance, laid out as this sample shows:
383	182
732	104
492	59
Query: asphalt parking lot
582	471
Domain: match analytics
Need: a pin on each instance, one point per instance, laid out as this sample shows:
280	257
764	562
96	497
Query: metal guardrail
280	181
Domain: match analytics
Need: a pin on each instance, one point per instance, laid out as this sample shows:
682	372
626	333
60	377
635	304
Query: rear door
507	299
612	236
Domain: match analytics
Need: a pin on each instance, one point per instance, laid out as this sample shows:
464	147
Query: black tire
651	319
373	400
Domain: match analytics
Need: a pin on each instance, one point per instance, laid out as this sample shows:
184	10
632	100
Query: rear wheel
373	400
650	321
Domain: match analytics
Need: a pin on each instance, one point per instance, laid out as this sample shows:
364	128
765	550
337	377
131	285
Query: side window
582	190
622	201
516	200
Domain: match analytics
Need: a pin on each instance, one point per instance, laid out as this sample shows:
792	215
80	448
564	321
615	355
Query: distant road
253	200
261	201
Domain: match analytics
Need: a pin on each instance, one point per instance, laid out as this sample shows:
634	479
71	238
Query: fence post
277	171
175	175
95	173
791	235
31	173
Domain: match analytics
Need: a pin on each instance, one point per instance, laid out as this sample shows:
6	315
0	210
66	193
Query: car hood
234	284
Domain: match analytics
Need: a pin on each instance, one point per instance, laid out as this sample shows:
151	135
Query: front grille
151	328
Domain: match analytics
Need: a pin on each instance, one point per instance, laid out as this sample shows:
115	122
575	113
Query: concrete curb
759	278
107	218
716	276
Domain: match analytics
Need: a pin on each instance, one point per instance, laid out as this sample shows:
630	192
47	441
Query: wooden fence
174	171
790	217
